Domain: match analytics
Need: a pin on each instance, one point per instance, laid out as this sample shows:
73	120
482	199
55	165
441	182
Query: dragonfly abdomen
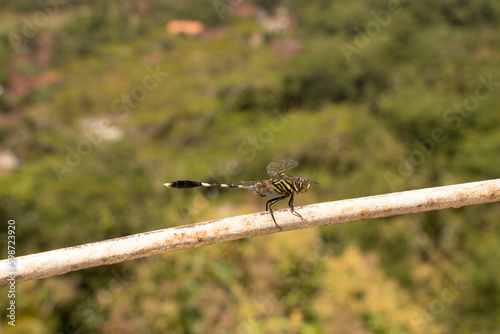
194	184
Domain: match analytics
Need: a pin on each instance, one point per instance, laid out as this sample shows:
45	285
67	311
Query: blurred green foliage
102	106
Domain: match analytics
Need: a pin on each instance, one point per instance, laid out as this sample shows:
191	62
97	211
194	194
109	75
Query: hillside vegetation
100	105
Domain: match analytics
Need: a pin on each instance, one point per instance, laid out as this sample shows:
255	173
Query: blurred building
185	27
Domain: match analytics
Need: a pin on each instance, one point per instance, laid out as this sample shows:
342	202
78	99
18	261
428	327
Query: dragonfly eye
303	184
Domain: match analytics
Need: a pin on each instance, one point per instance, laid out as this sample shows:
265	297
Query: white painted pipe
60	261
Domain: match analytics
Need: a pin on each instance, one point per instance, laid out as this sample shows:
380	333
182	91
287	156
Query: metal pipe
60	261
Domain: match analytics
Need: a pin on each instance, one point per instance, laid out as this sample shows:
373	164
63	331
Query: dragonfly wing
261	188
292	179
280	166
249	183
284	177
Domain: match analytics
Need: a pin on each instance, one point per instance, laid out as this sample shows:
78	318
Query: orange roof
186	27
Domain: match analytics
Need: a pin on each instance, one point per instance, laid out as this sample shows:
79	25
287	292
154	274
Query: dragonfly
279	185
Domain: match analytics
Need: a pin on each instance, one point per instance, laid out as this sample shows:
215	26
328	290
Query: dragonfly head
303	184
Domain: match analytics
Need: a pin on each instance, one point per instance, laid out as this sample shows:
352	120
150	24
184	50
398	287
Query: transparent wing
249	183
261	188
289	178
280	166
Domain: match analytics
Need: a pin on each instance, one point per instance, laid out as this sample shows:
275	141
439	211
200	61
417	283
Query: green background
370	97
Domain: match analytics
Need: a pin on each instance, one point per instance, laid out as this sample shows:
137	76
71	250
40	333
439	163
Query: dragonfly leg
268	207
290	204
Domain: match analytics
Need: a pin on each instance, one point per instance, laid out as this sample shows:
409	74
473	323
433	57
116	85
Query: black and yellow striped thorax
282	187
